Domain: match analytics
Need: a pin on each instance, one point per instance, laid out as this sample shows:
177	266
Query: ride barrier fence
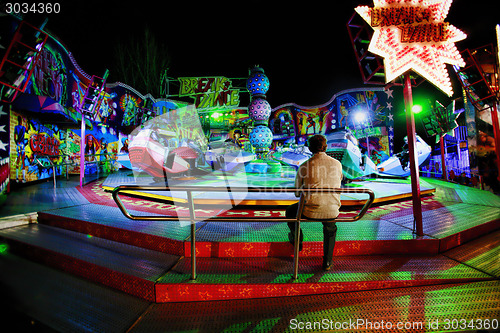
192	218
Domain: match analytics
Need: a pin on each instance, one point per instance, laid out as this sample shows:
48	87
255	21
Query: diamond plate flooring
483	254
112	216
345	269
252	259
136	261
62	302
41	299
38	197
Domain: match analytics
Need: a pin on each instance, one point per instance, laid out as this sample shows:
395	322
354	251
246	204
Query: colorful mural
57	77
50	76
31	142
101	147
35	143
45	118
367	113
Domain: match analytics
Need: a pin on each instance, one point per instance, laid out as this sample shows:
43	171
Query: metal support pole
82	150
296	242
54	173
496	133
67	169
193	234
410	128
443	158
296	250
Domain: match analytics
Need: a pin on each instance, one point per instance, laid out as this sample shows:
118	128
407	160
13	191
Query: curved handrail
190	189
193	219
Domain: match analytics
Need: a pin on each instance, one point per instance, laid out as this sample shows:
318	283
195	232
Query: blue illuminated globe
259	110
257	82
261	137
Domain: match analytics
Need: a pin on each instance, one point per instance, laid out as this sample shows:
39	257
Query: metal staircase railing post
192	218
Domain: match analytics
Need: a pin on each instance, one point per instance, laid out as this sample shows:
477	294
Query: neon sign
210	92
412	35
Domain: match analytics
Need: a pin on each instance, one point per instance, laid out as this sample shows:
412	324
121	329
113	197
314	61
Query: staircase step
36	297
109	223
162	277
242	278
129	268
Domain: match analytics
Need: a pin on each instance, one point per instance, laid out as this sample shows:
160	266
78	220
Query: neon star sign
412	35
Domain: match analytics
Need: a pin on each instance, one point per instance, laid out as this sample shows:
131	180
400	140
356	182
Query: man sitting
320	171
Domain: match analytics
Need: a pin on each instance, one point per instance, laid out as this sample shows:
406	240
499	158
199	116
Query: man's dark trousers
329	231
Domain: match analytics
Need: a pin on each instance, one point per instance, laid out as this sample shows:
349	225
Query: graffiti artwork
282	124
32	140
35	143
55	90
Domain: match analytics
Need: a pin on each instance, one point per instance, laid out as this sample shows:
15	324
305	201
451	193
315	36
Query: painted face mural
282	124
129	104
50	76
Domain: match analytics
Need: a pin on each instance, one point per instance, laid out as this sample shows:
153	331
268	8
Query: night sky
303	46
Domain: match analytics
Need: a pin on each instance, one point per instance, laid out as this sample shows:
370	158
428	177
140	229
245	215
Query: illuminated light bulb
416	108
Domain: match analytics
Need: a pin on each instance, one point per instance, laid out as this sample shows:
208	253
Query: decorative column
259	111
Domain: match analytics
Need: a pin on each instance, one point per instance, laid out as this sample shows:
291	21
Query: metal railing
192	218
39	159
48	161
98	161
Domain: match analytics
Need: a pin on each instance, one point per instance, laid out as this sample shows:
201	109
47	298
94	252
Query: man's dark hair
317	143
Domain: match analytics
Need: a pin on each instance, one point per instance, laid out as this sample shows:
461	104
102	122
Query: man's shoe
291	239
327	265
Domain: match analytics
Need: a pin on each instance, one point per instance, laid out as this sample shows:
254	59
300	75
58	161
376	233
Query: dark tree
140	61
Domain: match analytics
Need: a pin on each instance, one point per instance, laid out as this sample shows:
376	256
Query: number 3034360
35	8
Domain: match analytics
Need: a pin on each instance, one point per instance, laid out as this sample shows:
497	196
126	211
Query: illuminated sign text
210	92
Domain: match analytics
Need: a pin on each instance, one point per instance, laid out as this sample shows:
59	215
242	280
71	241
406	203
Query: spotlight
416	108
360	116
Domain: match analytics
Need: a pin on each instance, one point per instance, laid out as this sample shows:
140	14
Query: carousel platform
386	190
90	238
